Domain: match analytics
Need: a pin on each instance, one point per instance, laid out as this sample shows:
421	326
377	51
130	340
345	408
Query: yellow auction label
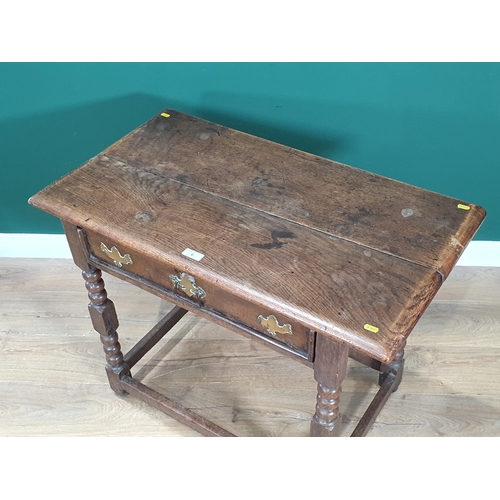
463	207
371	328
166	115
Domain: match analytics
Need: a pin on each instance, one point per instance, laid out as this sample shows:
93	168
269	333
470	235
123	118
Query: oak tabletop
346	252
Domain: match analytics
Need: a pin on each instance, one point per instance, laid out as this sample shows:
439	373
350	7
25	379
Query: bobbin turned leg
105	322
330	368
392	373
102	310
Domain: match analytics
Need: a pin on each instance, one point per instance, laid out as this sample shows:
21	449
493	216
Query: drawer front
263	321
128	260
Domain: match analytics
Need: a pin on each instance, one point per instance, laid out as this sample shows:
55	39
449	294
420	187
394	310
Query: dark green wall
433	125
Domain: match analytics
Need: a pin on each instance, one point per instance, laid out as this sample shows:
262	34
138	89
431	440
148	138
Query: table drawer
265	322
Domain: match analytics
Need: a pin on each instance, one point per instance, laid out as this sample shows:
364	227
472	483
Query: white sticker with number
193	254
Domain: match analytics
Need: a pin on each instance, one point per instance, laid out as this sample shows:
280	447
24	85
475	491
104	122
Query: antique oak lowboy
319	260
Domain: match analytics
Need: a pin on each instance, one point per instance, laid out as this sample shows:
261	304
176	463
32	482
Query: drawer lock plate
188	285
117	257
273	327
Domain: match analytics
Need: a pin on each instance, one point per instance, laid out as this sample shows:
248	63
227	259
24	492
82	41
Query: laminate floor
53	383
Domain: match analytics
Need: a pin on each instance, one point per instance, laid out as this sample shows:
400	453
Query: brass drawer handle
117	257
188	285
273	327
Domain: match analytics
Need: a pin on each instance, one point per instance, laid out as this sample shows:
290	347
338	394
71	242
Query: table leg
105	322
330	368
392	373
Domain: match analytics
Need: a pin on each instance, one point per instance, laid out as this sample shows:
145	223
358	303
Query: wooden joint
391	375
78	246
114	377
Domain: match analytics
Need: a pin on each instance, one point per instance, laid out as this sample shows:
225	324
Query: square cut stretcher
318	260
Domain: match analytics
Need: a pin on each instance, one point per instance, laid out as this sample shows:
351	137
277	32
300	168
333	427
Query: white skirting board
32	246
55	246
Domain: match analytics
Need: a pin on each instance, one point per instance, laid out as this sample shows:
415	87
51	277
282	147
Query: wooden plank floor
52	380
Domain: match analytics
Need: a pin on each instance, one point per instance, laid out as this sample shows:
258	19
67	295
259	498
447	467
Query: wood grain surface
371	210
53	382
326	283
282	232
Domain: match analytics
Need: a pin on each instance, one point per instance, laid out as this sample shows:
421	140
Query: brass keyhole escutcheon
118	258
188	285
273	327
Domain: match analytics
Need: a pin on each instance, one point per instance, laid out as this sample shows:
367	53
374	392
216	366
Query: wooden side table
318	260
